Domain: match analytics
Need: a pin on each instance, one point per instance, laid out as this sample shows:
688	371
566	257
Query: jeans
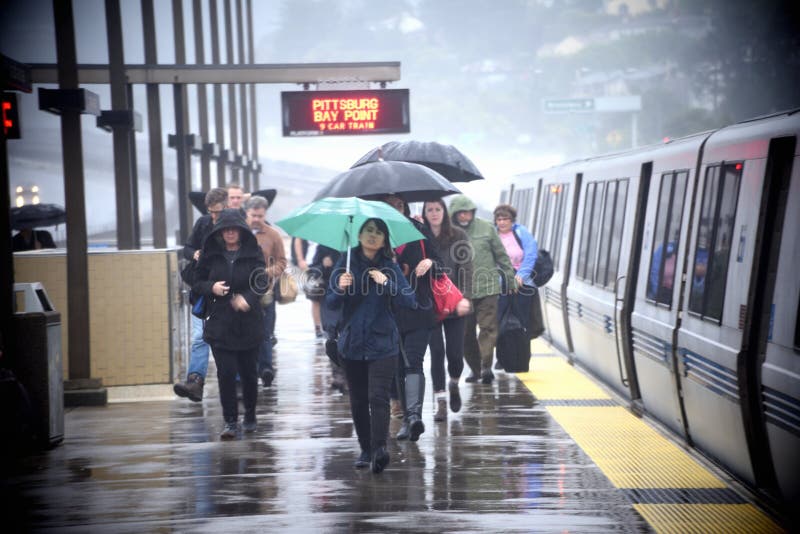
198	361
452	346
369	382
265	349
229	362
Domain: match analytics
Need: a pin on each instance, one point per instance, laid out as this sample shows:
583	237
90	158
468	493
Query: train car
676	286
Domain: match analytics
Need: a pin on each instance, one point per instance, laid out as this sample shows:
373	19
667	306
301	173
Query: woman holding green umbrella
368	336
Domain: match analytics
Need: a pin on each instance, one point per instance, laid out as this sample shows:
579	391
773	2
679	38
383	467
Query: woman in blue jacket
368	337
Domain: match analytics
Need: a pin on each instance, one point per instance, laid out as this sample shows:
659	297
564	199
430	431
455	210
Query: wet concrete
500	465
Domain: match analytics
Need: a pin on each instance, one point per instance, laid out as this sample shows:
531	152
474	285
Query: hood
461	203
230	218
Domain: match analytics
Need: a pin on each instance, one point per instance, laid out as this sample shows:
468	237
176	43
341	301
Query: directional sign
567	105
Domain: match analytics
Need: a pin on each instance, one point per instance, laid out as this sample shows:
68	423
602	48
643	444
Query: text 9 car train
676	283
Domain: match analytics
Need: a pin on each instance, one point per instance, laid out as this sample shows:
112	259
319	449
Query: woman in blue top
368	337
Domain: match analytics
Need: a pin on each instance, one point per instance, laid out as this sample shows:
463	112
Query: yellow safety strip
630	453
706	518
633	455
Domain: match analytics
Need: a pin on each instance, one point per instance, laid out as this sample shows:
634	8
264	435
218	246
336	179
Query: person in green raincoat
490	267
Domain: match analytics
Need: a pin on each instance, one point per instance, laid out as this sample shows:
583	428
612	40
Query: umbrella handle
347	236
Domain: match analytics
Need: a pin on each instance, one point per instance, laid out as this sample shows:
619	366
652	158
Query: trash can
36	360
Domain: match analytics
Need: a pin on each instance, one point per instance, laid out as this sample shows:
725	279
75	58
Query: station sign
566	105
347	112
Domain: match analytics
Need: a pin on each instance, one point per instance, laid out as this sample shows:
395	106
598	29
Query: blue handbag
199	307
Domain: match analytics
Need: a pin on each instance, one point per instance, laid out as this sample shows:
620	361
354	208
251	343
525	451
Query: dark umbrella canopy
447	160
36	216
198	198
412	182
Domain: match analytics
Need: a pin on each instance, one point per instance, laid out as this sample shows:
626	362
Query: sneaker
362	460
229	432
250	425
441	410
267	376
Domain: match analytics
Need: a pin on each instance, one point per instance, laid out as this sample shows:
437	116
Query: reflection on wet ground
500	465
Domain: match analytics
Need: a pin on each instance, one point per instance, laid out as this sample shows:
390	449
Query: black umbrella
412	182
447	160
36	216
198	198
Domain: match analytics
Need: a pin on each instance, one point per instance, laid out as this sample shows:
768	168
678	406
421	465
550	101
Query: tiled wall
129	310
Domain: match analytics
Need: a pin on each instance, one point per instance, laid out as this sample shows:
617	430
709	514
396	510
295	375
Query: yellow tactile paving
706	518
552	378
630	453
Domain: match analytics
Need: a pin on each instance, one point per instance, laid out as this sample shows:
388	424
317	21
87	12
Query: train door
553	232
662	253
774	347
716	371
608	204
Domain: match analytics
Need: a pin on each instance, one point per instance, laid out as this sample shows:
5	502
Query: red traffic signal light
10	116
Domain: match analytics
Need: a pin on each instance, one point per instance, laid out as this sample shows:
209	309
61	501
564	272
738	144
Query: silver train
677	283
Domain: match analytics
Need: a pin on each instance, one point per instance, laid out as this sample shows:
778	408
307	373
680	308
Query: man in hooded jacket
490	259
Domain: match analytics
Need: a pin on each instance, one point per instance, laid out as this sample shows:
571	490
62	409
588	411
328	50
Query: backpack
543	268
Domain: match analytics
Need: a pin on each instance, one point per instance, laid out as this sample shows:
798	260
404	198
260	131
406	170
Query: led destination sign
353	112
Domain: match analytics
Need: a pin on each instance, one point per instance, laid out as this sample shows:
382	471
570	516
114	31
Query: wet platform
545	451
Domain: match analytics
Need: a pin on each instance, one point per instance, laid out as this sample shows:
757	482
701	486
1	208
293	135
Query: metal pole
234	144
154	130
74	203
253	113
202	100
219	126
119	101
137	222
181	128
6	247
243	95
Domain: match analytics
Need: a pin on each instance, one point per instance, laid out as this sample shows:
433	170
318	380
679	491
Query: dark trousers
369	382
229	363
450	345
265	350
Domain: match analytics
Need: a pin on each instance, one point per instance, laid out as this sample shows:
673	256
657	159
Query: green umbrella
335	222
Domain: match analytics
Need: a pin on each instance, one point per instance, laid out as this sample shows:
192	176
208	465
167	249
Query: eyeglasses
214	212
502	218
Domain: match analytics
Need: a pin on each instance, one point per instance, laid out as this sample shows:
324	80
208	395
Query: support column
74	203
181	129
219	122
202	100
253	114
243	97
234	144
126	218
154	129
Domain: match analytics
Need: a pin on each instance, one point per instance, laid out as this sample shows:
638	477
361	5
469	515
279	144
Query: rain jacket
489	253
367	329
408	256
225	327
530	249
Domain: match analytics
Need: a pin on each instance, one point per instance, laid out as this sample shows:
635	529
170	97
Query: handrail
622	377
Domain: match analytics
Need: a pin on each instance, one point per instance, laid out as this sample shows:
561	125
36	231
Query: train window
587	252
715	231
601	238
605	234
561	194
616	236
666	238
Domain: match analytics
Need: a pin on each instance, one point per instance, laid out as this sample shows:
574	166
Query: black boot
403	433
380	459
415	393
